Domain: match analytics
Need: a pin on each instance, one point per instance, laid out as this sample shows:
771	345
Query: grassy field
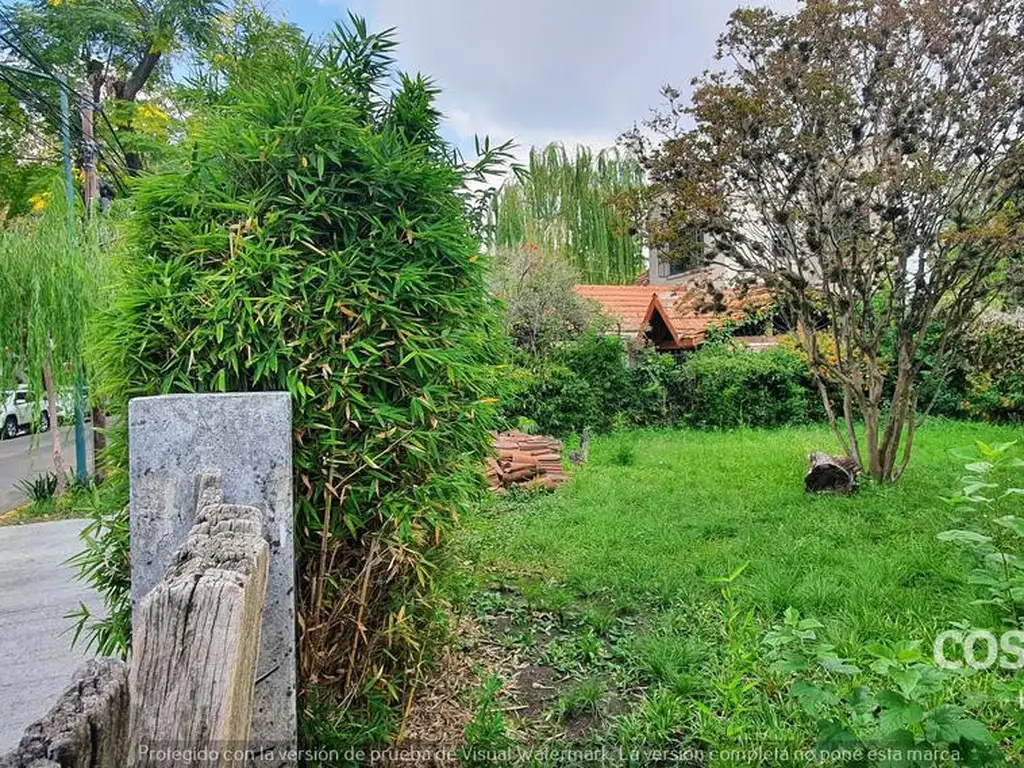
643	607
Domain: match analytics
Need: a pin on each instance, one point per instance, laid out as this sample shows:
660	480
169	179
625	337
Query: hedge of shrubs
725	387
592	382
985	378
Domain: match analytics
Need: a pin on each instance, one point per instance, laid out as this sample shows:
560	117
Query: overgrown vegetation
541	311
46	298
591	381
77	502
723	386
718	607
984	380
991	532
319	240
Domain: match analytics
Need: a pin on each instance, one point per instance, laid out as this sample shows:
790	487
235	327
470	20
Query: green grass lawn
615	594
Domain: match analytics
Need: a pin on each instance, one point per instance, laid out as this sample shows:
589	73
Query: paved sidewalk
36	591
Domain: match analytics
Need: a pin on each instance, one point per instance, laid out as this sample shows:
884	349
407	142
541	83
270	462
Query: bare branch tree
861	157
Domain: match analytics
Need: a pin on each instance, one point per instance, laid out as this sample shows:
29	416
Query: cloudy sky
575	71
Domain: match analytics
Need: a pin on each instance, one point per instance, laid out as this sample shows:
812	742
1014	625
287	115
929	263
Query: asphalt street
30	455
36	591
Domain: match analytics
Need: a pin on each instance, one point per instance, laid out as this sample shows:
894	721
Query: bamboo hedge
320	240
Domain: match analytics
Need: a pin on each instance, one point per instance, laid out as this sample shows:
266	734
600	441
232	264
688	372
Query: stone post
246	439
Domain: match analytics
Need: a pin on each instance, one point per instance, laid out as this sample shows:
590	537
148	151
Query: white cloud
575	71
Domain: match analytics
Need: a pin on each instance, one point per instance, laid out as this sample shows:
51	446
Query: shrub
657	396
980	377
591	382
583	383
319	240
724	387
541	310
600	361
553	397
41	487
995	379
988	501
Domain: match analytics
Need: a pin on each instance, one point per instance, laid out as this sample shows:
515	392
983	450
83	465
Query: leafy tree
119	47
247	45
45	297
318	241
21	175
860	157
567	205
541	310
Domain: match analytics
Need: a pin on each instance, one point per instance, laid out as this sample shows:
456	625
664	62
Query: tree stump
831	474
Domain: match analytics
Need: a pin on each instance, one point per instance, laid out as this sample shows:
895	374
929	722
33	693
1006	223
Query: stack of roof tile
530	461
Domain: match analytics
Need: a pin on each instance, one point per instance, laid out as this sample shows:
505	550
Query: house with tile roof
673	310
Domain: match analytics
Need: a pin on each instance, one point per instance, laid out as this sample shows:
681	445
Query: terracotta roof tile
688	312
626	304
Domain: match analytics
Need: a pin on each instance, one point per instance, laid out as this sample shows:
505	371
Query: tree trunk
59	465
127	90
99	442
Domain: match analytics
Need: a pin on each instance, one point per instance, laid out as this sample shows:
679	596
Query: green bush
981	376
724	388
995	374
320	240
600	361
584	383
592	382
555	398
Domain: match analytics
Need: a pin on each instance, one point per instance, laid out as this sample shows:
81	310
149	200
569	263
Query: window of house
688	257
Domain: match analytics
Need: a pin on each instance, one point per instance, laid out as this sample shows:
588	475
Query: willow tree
44	304
565	204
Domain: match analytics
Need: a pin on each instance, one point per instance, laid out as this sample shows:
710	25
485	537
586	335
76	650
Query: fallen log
831	474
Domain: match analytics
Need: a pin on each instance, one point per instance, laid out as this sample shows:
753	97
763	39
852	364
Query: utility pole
81	466
92	184
92	196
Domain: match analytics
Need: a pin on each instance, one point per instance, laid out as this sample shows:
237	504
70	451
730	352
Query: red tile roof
690	313
687	313
626	304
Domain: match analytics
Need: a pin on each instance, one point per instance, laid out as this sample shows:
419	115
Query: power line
114	158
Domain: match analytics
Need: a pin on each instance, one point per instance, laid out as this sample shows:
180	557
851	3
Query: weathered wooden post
246	440
212	673
195	639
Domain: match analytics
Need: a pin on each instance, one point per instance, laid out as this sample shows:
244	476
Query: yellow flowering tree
122	48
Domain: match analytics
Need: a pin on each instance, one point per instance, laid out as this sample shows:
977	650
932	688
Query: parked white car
19	413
